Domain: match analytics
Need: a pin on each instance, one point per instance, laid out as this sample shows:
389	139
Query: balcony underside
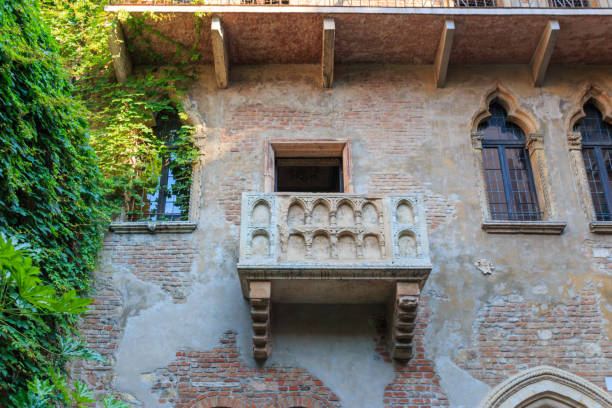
283	35
340	285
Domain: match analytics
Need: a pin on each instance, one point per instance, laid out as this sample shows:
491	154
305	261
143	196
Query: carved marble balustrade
333	248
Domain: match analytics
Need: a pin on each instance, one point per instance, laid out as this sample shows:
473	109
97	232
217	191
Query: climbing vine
121	116
76	150
50	198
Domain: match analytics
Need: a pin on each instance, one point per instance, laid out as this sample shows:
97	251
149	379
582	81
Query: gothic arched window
509	180
163	202
597	154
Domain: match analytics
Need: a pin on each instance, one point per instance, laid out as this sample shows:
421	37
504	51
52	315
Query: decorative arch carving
220	401
602	101
545	386
298	401
516	112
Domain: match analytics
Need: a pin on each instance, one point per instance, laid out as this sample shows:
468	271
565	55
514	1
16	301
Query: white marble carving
319	229
485	266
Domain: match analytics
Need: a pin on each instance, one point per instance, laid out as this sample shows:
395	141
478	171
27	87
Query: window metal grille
475	3
597	154
510	185
569	3
161	205
537	4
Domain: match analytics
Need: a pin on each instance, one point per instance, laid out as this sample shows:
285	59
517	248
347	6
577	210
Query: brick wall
416	384
511	335
391	125
220	374
439	210
230	195
101	332
221	371
601	254
164	260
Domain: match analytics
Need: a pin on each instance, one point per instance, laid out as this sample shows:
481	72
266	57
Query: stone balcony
333	248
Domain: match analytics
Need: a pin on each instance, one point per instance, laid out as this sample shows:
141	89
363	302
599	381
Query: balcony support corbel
541	56
259	298
443	54
122	62
327	57
405	304
220	58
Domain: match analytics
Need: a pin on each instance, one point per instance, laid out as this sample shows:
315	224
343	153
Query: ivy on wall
51	194
76	149
121	116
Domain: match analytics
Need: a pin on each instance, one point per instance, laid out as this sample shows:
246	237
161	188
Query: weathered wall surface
170	316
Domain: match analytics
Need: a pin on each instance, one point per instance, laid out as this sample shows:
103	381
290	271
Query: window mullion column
603	171
534	206
163	188
505	171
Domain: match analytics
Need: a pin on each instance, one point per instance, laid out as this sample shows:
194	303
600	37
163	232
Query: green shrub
50	187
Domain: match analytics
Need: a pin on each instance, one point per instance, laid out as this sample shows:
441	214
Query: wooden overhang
414	36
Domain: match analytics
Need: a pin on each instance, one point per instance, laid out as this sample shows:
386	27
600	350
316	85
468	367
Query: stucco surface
383	110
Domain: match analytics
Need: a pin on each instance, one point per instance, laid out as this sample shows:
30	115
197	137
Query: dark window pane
524	199
510	186
475	3
597	144
161	204
595	184
167	125
497	128
592	128
495	185
311	175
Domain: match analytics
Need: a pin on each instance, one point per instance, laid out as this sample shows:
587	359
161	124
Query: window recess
594	137
308	166
516	194
309	175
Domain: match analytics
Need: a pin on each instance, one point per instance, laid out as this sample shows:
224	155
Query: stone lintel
601	227
543	52
220	57
524	227
443	54
327	57
122	62
154	227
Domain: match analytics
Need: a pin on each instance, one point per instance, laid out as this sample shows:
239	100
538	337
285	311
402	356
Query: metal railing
553	4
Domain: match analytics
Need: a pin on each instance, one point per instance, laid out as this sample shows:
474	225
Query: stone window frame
340	148
537	156
552	386
603	102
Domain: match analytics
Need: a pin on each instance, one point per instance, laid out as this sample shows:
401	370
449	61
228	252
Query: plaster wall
551	294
